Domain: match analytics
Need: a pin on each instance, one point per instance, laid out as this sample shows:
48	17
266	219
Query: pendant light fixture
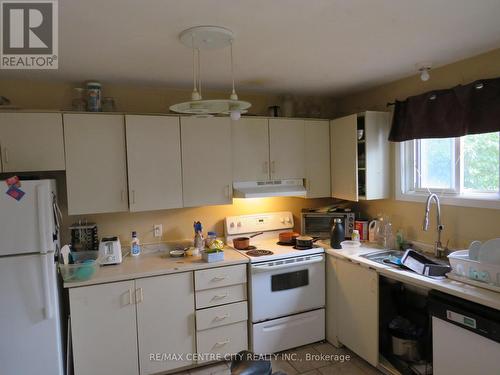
202	38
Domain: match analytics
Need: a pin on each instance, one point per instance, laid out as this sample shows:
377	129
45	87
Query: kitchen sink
392	258
384	257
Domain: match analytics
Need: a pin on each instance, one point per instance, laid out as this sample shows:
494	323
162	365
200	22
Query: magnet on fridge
15	193
13	181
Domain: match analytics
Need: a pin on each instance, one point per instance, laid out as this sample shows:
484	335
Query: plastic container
135	245
211	257
350	244
85	266
472	269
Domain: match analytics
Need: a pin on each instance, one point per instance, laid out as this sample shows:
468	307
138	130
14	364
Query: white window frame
405	176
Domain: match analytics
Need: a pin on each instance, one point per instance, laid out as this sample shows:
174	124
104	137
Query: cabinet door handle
228	191
122	195
219	296
130	296
273	167
219	278
5	155
138	292
133	196
266	167
223	342
219	318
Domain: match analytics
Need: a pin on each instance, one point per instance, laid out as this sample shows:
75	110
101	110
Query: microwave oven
319	224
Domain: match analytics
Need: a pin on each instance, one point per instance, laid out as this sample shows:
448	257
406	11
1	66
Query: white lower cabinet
229	339
103	329
165	321
116	327
222	312
357	309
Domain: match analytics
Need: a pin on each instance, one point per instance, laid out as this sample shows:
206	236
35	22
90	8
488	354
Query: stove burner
285	243
303	247
249	248
258	253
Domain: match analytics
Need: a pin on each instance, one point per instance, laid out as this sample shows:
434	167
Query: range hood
273	188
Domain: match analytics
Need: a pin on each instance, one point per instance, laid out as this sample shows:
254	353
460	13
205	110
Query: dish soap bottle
135	245
337	235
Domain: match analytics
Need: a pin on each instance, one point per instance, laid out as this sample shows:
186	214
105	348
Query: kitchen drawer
228	339
221	276
221	315
221	296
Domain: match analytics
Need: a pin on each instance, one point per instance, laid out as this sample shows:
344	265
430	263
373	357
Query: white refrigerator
30	324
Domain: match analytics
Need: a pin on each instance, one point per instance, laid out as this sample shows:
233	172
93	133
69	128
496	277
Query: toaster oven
319	224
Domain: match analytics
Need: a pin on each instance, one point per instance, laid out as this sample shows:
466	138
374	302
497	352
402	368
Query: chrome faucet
439	251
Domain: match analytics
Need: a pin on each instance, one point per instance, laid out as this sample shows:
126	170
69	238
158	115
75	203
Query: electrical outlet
157	230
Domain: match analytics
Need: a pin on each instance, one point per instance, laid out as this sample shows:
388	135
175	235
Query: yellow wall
462	224
57	95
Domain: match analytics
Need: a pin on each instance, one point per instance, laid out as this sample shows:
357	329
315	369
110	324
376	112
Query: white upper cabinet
96	165
250	141
165	320
360	167
317	156
344	161
377	173
154	162
31	142
206	161
287	148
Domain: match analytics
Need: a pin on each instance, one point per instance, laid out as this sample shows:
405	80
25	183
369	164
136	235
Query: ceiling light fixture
202	38
423	69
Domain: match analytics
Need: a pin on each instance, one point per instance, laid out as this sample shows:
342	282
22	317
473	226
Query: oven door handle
263	268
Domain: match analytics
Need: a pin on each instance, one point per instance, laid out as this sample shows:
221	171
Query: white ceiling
296	46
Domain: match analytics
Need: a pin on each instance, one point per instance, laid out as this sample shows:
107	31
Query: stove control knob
231	225
238	224
288	220
282	220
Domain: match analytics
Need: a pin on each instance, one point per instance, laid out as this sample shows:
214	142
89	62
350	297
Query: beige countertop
155	263
469	292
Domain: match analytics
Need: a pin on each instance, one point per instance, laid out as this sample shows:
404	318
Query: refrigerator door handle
41	196
45	258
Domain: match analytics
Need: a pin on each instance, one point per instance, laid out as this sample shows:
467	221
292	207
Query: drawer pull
219	278
219	296
219	318
222	343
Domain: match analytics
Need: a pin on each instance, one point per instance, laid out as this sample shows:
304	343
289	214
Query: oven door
287	286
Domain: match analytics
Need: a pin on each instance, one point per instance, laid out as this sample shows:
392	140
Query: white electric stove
286	285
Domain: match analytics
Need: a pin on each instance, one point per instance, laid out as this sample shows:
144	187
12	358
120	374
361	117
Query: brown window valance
461	110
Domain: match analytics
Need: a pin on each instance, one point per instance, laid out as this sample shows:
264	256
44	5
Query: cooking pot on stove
305	241
288	238
243	243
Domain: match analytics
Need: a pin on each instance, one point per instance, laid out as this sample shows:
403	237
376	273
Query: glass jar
79	103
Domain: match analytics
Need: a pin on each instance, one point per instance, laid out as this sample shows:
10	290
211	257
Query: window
465	170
